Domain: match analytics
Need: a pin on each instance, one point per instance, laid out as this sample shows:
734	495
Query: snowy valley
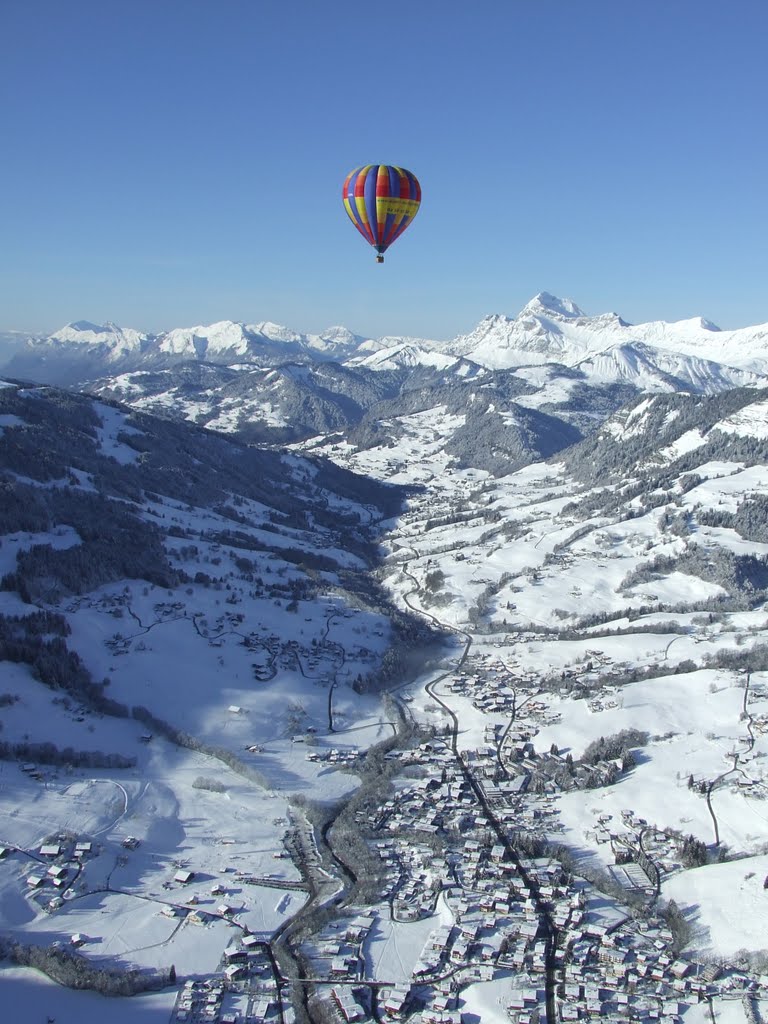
349	680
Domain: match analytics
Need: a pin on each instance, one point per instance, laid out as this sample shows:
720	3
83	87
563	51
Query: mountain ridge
546	329
267	384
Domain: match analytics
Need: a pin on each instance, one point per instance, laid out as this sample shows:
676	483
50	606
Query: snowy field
393	947
726	905
30	997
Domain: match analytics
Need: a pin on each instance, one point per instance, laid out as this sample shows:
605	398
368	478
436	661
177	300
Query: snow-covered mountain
107	339
549	330
264	382
227	342
287	402
655	432
83	351
690	354
656	369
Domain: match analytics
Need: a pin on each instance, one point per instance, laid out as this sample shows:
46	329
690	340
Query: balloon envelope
381	201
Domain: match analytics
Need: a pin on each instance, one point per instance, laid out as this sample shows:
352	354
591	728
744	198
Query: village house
395	1003
347	1004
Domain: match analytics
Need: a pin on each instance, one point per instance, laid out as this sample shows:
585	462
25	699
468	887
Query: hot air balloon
381	202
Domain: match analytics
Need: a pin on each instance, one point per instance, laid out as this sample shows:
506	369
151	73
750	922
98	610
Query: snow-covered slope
656	369
549	329
405	355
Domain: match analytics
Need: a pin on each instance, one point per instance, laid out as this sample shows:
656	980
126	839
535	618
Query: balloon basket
379	259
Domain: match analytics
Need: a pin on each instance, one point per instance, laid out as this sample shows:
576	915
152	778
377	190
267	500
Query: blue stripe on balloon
370	201
386	236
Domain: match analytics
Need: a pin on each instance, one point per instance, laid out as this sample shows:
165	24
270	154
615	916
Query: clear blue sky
172	162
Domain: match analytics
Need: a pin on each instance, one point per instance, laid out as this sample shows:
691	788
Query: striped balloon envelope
381	202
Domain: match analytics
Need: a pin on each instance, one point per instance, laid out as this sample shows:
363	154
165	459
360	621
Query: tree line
37	640
69	968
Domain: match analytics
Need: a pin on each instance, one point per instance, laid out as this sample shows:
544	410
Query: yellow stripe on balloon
360	204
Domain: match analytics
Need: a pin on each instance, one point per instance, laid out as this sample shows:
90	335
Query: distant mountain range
547	329
529	385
